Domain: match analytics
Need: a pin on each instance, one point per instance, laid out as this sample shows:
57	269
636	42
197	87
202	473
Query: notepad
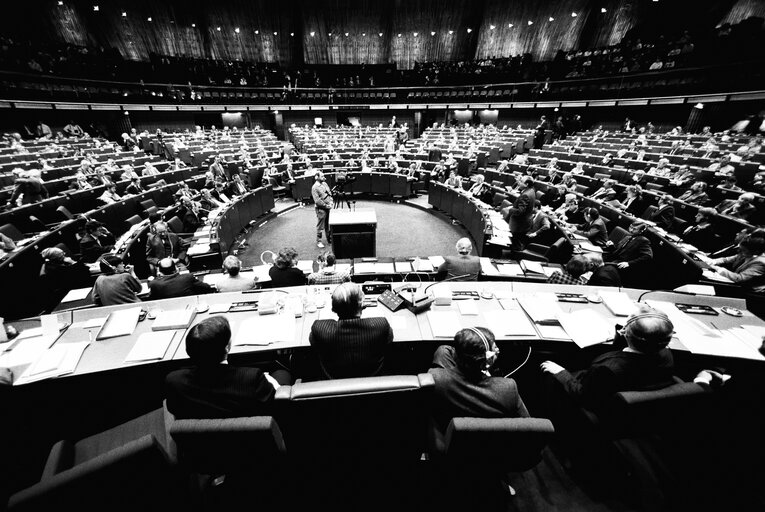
61	359
363	268
264	330
306	266
174	319
467	307
119	323
384	268
509	322
76	294
510	269
532	266
403	266
150	346
541	307
586	327
420	265
443	324
619	303
488	268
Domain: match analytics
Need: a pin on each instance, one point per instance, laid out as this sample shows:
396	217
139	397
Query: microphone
419	302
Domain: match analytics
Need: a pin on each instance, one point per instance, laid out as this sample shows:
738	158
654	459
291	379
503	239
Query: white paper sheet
76	294
512	322
150	346
542	307
586	327
619	303
436	261
120	323
467	307
510	269
444	324
59	360
266	329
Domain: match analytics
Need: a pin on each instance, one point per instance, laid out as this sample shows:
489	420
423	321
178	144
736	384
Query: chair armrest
60	459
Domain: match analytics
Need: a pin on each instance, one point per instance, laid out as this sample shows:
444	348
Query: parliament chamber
585	169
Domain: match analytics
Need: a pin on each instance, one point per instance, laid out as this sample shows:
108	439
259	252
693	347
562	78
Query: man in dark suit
664	216
162	243
96	241
602	275
212	388
170	283
632	252
135	187
539	132
351	346
217	171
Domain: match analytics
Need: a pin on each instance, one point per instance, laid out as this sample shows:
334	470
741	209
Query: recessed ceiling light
193	25
95	8
451	32
148	19
257	32
531	22
60	2
346	34
469	30
603	9
124	14
292	34
510	25
363	34
432	33
275	33
380	34
399	35
492	27
573	15
551	19
217	28
313	34
416	34
236	30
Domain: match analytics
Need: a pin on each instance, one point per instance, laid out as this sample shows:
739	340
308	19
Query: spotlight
469	30
236	30
313	34
492	27
530	22
95	8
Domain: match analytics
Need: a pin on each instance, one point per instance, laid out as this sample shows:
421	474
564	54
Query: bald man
464	266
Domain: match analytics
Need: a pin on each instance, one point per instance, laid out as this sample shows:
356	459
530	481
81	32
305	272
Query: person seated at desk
454	180
212	388
632	252
641	362
183	191
191	215
633	202
96	241
117	283
747	267
150	170
328	273
600	273
479	187
605	192
540	222
237	186
594	228
80	182
59	272
742	208
570	211
697	194
128	173
572	272
135	188
664	216
662	168
110	195
162	243
219	192
234	281
464	266
171	283
701	233
683	175
350	346
6	245
554	196
207	202
284	271
464	386
729	183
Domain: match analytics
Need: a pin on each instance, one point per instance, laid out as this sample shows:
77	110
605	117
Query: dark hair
591	212
329	259
753	244
207	341
109	263
285	257
154	217
470	351
577	265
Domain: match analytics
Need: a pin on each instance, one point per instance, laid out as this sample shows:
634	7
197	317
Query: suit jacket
617	371
637	207
220	391
155	248
633	250
34	191
134	190
460	265
354	347
92	247
731	208
595	232
177	285
607	275
291	276
664	217
748	272
702	237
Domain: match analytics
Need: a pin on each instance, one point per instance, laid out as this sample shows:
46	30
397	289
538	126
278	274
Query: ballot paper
509	322
619	303
150	346
586	327
266	329
542	307
444	324
61	359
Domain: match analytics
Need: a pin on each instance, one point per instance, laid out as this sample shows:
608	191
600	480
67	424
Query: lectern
354	233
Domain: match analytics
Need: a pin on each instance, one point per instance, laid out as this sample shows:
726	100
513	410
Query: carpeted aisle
402	230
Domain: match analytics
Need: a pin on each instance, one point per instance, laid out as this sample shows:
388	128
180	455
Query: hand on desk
622	264
550	367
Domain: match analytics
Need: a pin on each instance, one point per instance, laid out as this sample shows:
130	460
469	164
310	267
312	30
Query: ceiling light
603	9
551	19
573	15
530	22
257	32
469	30
236	30
124	14
330	34
60	2
399	35
380	34
432	33
95	8
276	33
416	34
193	25
510	25
346	34
492	27
363	34
217	28
313	34
292	34
148	19
451	32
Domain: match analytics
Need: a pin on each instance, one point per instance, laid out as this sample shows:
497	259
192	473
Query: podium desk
354	233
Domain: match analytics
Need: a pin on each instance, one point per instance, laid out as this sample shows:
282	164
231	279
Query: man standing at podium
322	198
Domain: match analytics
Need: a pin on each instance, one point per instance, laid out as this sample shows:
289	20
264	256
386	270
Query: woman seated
569	211
633	202
701	233
285	272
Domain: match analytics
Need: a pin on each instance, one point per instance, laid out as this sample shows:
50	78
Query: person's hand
711	378
6	377
552	368
622	265
532	235
272	380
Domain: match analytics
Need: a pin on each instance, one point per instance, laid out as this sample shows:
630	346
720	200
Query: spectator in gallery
43	131
454	180
464	266
150	170
605	192
697	194
328	272
171	283
212	388
285	271
350	346
729	183
135	188
464	384
128	144
117	283
73	129
234	281
572	272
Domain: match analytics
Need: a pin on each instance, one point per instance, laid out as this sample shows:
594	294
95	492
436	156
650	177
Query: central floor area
402	231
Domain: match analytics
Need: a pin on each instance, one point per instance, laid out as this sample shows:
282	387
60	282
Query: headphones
637	317
102	261
491	356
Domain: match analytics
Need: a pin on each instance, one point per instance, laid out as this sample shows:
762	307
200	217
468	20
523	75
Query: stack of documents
119	323
510	322
619	303
58	360
541	307
264	330
586	327
174	319
444	324
150	346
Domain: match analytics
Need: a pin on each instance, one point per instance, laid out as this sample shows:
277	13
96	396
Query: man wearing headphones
641	362
117	284
464	385
464	264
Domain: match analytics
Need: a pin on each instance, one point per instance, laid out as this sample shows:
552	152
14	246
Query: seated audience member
454	180
328	273
350	346
136	187
110	195
60	272
117	284
233	280
697	194
662	168
632	252
633	202
664	216
683	175
162	243
701	233
80	182
219	192
237	186
729	183
171	283
284	271
6	245
722	166
128	173
554	196
192	215
540	222
570	211
572	274
641	362
463	264
207	202
464	386
594	228
742	208
183	191
73	129
150	170
747	267
212	388
96	241
602	274
477	189
606	192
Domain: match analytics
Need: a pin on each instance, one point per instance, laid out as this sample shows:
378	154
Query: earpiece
491	356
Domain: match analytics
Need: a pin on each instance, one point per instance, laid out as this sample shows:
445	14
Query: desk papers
509	322
363	268
586	327
436	261
264	330
58	360
444	324
467	307
488	268
197	249
174	319
306	266
619	303
76	294
427	265
25	351
533	266
402	266
714	276
541	307
119	323
150	346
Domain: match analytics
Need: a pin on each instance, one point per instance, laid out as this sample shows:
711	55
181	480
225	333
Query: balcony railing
747	76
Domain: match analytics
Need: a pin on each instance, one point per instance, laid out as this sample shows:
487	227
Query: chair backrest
515	444
221	446
64	211
11	232
175	224
617	234
149	203
361	420
135	475
37	224
648	212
